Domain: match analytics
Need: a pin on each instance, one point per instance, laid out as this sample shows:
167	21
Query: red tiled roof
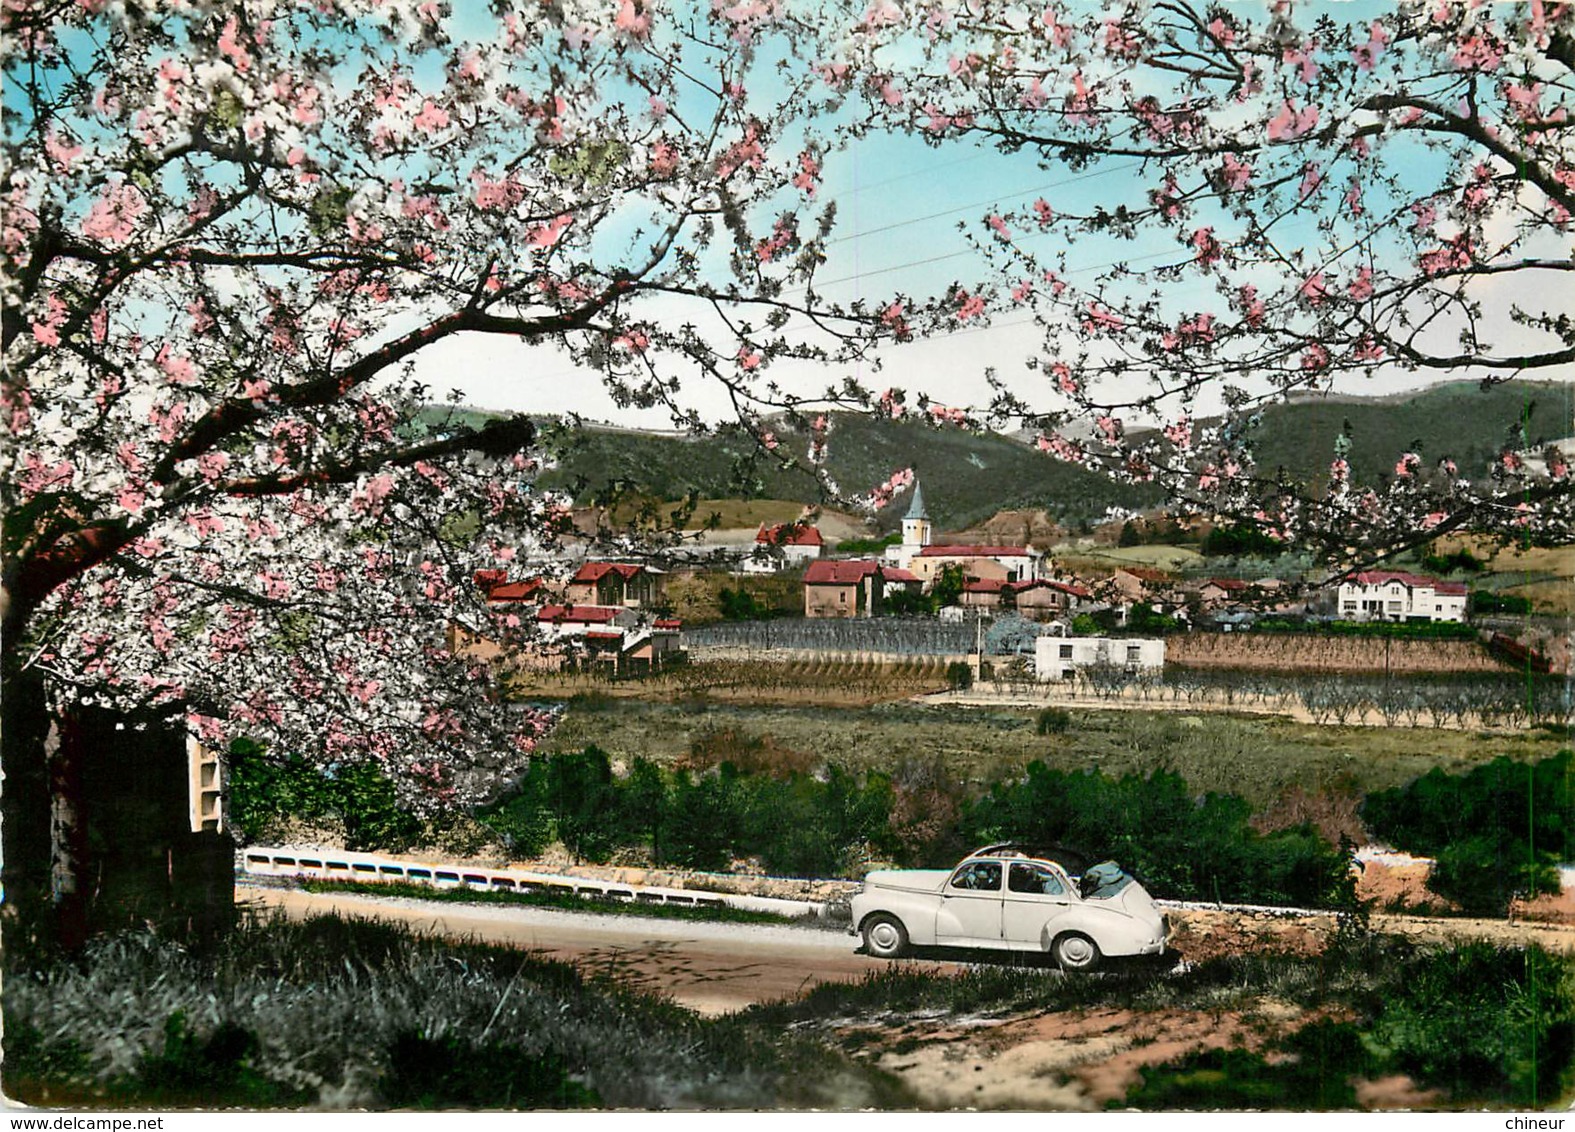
579	614
893	574
1230	585
593	636
486	579
839	572
667	623
986	586
1411	581
789	534
594	571
976	552
528	590
1069	588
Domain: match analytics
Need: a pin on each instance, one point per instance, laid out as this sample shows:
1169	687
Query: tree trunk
66	751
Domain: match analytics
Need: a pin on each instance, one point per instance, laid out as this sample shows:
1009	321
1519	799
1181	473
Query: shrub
1485	601
1052	721
1495	830
1181	846
959	676
452	1072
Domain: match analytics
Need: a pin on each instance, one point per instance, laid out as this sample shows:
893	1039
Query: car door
1036	896
970	911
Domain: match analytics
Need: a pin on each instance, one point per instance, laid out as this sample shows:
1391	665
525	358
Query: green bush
959	676
1052	721
263	790
1496	831
1485	601
1482	1022
1182	846
452	1072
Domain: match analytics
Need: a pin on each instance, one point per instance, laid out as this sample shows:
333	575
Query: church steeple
916	523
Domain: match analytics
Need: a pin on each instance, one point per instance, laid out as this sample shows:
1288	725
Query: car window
1035	879
980	876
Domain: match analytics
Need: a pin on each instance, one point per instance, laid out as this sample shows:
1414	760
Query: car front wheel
884	936
1075	952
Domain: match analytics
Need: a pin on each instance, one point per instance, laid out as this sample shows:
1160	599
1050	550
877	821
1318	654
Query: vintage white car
1006	899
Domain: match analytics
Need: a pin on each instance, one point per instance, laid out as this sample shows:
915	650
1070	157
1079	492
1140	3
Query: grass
561	901
347	1014
1484	1024
1257	757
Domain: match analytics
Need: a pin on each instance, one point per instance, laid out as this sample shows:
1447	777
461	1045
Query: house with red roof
1393	595
845	587
629	584
984	563
784	546
1046	599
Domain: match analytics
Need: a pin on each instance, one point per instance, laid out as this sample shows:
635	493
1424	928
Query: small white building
1390	595
1059	659
783	547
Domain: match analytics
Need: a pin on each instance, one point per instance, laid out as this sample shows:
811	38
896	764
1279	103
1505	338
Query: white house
783	546
1390	595
1061	658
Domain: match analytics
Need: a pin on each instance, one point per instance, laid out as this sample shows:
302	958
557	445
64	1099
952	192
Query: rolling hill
969	477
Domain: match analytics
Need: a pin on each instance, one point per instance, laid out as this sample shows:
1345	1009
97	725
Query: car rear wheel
884	936
1075	952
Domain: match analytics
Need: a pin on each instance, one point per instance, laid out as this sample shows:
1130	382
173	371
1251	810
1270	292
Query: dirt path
711	968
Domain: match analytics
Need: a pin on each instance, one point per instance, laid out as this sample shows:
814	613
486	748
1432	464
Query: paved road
713	968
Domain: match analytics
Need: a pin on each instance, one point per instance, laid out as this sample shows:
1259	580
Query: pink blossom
1433	518
543	236
1060	447
745	153
891	404
1301	59
1479	53
969	306
1291	123
1043	212
808	174
1022	290
256	389
747	359
60	149
1110	427
998	226
132	499
634	340
1097	317
1366	55
1455	254
177	367
1315	358
114	215
1362	286
1079	102
880	14
633	20
275	587
46	331
1315	289
1033	96
1180	433
211	465
370	499
1312	177
1121	40
431	119
1235	173
1408	465
230	46
769	441
663	161
1209	251
1367	350
1064	379
167	419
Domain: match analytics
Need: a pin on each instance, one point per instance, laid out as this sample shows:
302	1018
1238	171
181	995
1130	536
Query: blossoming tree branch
1307	203
229	231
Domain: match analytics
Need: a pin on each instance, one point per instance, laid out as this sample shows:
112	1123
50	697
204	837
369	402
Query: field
1546	575
1079	559
1259	757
